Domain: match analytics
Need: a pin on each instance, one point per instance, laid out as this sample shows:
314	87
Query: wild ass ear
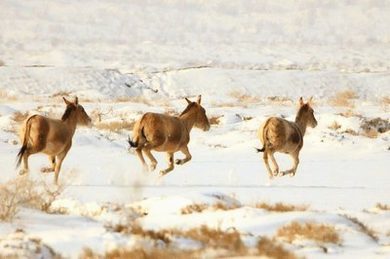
310	102
188	101
301	103
199	99
76	100
66	101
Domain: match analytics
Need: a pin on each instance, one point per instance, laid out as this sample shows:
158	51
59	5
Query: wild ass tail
260	149
25	142
139	138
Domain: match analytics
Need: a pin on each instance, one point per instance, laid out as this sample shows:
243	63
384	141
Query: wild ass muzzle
279	135
165	133
52	137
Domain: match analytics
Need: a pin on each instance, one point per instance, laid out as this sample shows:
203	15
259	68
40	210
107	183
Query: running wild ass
168	134
53	137
280	135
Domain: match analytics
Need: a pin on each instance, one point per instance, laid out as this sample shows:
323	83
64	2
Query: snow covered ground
249	60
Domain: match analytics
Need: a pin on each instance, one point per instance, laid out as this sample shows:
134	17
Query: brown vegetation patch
382	206
200	207
244	98
20	116
372	127
385	103
140	253
61	94
363	228
334	126
270	248
351	132
279	99
24	192
115	126
281	207
344	98
4	95
310	230
214	120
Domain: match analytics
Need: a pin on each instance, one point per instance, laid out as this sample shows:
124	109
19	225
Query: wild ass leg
60	158
171	164
153	160
276	170
187	158
141	157
265	158
52	160
292	171
24	170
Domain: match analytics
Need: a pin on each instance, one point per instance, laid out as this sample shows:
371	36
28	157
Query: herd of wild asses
159	132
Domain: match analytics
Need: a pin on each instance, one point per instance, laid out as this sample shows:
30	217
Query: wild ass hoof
179	161
275	173
152	167
47	170
23	171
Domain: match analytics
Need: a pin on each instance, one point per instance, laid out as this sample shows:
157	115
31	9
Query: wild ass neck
301	121
70	121
188	119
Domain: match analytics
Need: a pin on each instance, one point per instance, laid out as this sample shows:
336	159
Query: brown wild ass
280	135
53	137
169	134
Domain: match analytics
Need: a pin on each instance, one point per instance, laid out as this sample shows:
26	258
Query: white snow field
249	60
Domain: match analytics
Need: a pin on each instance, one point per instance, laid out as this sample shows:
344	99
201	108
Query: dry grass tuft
20	116
6	96
200	207
216	238
24	192
214	120
314	231
244	98
279	100
351	132
140	253
270	248
372	127
194	208
382	206
115	126
363	228
334	126
61	94
344	98
281	207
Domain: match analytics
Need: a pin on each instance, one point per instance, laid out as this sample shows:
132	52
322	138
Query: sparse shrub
344	98
19	116
192	208
319	233
61	94
200	207
21	245
244	98
214	120
351	132
24	192
115	126
382	206
270	248
372	128
363	228
140	253
279	99
334	126
280	207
